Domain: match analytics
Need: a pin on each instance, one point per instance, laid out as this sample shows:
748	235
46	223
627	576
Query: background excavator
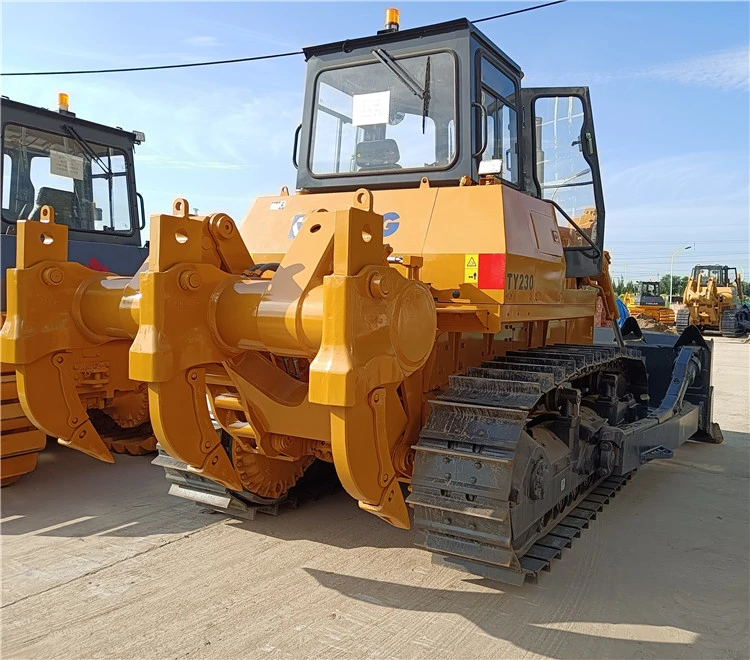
85	170
420	314
713	300
649	301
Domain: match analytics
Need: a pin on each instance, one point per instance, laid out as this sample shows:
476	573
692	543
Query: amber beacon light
391	19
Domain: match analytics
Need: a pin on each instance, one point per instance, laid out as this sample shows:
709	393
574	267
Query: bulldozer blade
711	435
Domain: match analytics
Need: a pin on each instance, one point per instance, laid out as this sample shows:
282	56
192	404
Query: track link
206	493
734	322
463	490
682	320
318	481
540	556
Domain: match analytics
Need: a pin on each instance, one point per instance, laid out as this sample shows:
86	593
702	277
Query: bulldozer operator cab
648	294
442	102
82	169
85	172
722	276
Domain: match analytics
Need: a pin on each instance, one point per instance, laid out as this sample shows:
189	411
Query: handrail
576	227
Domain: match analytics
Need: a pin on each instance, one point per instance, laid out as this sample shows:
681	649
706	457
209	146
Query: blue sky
669	85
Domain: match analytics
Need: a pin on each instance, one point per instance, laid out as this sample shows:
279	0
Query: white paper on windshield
67	165
368	109
491	166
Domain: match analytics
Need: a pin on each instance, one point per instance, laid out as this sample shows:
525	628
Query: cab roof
8	103
456	26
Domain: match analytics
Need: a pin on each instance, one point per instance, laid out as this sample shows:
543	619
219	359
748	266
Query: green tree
679	282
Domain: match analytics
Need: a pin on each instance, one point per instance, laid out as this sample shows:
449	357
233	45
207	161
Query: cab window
86	183
562	171
500	155
397	113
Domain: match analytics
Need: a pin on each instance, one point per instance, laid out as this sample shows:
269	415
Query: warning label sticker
67	165
471	268
369	109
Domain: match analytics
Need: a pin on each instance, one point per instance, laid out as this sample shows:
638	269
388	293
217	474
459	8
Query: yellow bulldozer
419	314
713	300
649	302
86	170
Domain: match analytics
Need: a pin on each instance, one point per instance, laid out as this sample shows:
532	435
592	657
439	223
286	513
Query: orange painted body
442	226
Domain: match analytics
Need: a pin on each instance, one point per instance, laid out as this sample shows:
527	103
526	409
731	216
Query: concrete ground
98	562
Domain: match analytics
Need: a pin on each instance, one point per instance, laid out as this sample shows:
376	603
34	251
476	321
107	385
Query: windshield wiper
402	74
421	92
426	97
89	151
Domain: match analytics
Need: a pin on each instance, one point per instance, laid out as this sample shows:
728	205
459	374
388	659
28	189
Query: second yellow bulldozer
713	300
86	170
420	314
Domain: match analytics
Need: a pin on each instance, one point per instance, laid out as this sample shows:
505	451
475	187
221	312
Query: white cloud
164	161
728	70
675	178
655	206
202	40
220	149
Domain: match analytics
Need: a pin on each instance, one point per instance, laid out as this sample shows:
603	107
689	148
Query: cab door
561	166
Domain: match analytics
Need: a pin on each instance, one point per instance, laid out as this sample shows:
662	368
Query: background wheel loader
648	301
85	170
713	300
420	314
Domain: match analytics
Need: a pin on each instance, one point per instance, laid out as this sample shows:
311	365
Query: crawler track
550	547
735	322
485	499
682	320
191	486
318	481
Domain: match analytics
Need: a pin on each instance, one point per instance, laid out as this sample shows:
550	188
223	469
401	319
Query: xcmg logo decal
390	224
297	221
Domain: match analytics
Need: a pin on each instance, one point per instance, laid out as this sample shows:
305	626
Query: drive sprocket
265	476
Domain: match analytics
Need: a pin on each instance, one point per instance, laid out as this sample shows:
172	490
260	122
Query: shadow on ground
71	494
675	593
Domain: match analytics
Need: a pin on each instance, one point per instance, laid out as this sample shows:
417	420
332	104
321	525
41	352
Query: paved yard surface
98	562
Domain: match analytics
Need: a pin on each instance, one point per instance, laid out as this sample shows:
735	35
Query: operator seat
378	155
69	210
62	201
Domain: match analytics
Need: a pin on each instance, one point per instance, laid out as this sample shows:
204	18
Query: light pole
671	264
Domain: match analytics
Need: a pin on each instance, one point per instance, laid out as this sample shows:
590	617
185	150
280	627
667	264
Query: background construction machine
649	301
420	314
713	300
85	170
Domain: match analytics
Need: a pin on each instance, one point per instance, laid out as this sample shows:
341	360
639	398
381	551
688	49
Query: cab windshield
84	182
719	274
393	114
